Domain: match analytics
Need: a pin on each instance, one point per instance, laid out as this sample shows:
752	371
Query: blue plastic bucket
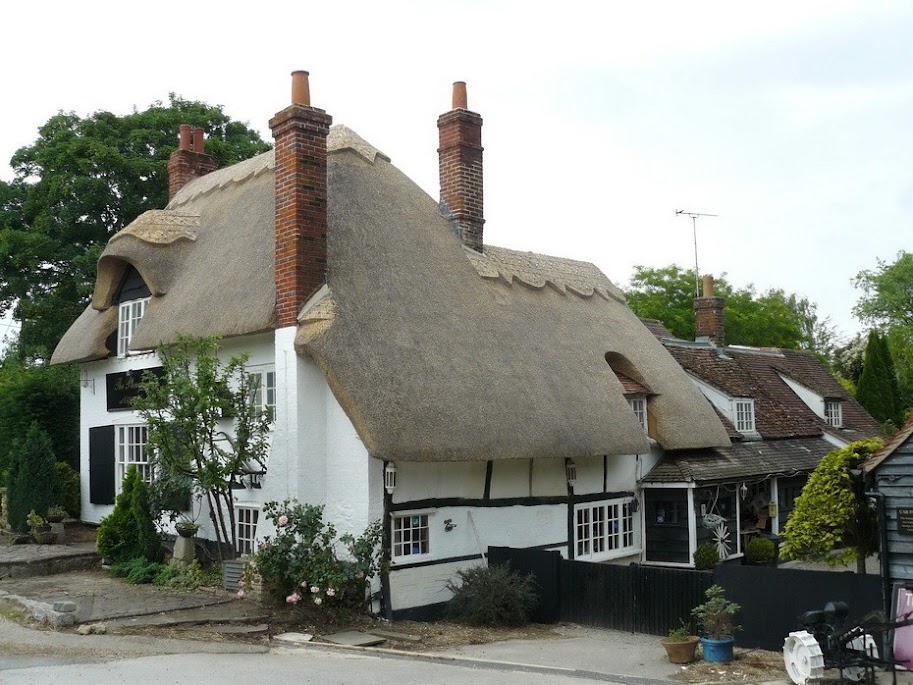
717	650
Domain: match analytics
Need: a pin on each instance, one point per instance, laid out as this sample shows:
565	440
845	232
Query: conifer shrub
129	531
32	479
493	596
706	557
68	481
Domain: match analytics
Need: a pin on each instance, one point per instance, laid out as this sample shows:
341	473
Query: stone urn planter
45	537
186	529
680	651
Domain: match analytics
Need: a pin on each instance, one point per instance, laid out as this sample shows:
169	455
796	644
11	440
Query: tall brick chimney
300	132
189	161
460	164
708	315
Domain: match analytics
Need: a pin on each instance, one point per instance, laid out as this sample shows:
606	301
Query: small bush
760	550
68	480
139	571
706	557
128	532
31	480
492	596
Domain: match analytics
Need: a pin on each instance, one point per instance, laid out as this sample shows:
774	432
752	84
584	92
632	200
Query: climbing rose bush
306	562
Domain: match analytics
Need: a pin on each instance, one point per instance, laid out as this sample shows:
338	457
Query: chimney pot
185	137
198	142
301	89
708	286
459	95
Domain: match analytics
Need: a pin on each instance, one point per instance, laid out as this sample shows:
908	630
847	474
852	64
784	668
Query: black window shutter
101	465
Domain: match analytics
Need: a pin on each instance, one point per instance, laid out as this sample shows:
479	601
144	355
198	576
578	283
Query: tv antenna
697	273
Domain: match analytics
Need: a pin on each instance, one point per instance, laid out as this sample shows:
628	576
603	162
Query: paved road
278	668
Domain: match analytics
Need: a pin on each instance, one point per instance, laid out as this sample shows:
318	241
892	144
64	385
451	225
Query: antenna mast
697	273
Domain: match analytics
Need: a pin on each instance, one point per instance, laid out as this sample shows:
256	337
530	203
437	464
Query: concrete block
354	638
65	607
61	531
184	550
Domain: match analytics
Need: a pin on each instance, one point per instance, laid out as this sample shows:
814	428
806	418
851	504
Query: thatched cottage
468	395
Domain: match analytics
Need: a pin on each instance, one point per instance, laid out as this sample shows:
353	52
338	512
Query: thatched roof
435	352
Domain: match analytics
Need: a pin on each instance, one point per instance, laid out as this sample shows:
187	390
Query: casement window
129	315
262	389
131	450
833	413
246	519
639	407
604	530
744	416
410	536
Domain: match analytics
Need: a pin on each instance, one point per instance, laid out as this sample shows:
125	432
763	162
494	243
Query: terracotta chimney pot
459	95
198	141
185	137
301	88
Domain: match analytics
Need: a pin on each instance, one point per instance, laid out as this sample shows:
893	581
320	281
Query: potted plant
680	645
40	529
761	552
715	617
706	557
56	514
186	527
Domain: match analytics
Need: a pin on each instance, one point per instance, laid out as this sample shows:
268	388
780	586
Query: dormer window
639	407
744	416
129	315
833	413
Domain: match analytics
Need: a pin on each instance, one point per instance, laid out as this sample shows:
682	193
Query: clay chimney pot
708	286
459	95
301	89
198	144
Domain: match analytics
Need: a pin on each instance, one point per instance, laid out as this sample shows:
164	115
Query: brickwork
708	314
300	133
186	165
460	166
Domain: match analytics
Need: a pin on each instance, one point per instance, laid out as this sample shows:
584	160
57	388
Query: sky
791	121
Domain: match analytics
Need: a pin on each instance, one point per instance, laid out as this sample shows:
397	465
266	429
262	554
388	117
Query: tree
877	389
769	319
887	292
129	532
832	520
83	180
32	479
204	425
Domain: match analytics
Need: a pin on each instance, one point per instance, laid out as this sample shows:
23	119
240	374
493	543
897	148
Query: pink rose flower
303	583
360	575
331	592
241	583
283	520
318	601
241	594
315	589
293	598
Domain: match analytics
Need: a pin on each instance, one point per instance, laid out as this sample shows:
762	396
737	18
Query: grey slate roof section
434	352
741	460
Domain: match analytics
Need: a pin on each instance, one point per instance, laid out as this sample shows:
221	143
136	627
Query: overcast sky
790	120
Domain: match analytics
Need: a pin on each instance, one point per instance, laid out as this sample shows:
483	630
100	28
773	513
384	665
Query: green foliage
186	411
81	181
877	389
68	480
32	479
178	576
716	616
769	319
887	292
129	532
492	596
301	562
680	634
46	395
706	556
34	521
832	512
138	571
760	550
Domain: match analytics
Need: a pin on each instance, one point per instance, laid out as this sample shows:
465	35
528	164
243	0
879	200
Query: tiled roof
758	374
656	327
740	460
631	387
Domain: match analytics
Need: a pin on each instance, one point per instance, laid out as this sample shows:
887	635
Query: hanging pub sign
905	521
122	387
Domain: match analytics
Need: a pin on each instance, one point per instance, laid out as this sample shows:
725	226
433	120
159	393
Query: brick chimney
300	132
189	161
460	164
708	315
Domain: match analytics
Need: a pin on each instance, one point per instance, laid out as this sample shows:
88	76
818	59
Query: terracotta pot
680	652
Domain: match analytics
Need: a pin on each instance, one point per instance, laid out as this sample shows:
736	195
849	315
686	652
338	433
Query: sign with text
905	521
122	387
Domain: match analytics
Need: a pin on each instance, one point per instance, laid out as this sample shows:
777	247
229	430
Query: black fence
649	599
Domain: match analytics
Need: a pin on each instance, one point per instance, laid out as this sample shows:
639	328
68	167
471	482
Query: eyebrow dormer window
639	407
129	315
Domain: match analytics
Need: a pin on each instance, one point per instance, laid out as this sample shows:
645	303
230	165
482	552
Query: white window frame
639	407
129	315
743	415
606	530
246	520
833	413
130	447
397	541
262	391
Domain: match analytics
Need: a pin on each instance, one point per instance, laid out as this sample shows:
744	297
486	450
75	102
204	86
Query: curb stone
41	611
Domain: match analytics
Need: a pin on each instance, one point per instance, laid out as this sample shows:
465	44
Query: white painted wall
813	400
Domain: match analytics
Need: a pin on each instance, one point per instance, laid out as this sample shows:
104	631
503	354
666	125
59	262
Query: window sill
609	556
